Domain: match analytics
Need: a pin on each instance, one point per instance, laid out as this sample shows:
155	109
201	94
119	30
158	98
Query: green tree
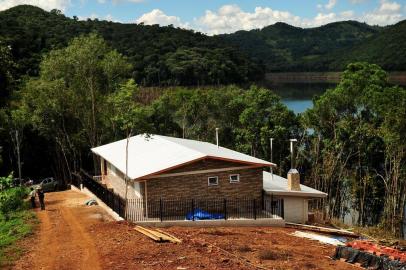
7	76
263	116
127	116
355	149
68	101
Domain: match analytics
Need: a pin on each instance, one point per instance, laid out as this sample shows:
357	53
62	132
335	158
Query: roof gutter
296	194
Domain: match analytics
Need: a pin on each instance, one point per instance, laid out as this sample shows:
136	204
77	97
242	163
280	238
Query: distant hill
387	48
173	56
160	55
282	47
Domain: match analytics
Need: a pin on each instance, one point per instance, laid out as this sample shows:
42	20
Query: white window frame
234	181
210	184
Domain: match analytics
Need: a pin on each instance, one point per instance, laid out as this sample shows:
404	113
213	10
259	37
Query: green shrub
12	199
6	182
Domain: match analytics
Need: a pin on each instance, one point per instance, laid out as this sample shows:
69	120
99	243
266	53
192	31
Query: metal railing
114	201
200	209
160	209
98	178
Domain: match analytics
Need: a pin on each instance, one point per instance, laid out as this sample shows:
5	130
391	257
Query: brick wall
115	180
192	186
196	186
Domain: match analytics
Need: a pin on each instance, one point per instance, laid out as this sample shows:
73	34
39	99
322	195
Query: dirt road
64	240
74	236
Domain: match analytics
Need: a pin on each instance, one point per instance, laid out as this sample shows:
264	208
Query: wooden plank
158	235
321	229
177	240
162	236
147	233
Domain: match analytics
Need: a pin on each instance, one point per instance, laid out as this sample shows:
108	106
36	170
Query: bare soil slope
75	236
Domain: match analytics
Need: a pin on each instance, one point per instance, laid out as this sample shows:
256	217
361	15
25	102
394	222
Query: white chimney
293	174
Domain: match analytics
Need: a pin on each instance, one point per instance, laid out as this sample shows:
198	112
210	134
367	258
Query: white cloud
230	18
389	7
44	4
157	16
347	14
131	1
387	13
330	4
109	17
354	2
91	16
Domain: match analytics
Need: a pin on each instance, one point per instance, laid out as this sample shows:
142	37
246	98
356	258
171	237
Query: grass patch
218	232
244	248
270	254
17	226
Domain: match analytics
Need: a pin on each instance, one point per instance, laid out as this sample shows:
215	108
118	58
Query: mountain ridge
166	56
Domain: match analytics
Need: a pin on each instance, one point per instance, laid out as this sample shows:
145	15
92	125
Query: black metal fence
184	209
201	209
111	199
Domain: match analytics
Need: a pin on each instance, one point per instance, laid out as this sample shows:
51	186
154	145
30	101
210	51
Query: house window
213	181
234	178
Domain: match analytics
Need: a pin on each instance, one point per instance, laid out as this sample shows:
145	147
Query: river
298	88
298	96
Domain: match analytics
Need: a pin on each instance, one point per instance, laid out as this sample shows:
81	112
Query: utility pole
217	137
271	148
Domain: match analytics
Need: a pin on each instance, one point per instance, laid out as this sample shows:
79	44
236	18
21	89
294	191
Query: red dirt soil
74	236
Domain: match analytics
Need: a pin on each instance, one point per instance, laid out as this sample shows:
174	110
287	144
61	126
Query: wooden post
146	199
160	209
193	209
282	209
225	209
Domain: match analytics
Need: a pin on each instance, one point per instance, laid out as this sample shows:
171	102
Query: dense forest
159	55
169	56
58	101
282	47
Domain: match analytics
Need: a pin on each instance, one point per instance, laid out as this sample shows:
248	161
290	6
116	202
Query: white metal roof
277	185
152	154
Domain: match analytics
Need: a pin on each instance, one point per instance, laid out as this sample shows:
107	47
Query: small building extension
295	195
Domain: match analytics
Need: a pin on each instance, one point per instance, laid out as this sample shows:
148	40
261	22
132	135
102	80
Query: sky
221	16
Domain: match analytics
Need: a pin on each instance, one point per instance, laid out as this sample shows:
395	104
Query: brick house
173	168
167	168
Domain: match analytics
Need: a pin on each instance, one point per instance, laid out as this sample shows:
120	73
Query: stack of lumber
321	229
157	235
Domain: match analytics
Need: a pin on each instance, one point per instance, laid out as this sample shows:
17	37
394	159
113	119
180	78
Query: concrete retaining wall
217	223
109	211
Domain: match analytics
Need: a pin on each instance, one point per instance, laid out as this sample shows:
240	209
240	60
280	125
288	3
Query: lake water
298	96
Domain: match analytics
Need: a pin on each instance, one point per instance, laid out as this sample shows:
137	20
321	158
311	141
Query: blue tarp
200	214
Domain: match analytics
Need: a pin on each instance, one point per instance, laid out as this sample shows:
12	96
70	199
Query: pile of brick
371	256
378	250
